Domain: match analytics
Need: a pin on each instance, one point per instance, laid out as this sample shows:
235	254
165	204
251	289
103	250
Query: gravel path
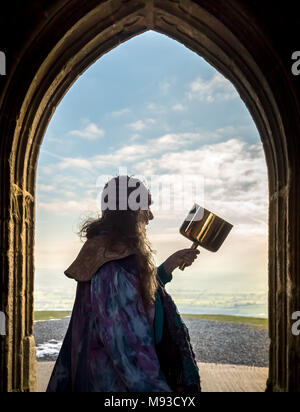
228	343
213	342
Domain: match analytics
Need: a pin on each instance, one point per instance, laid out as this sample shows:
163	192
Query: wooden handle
183	265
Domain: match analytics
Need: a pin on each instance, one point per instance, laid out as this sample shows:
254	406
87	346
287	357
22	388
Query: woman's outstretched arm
187	256
163	275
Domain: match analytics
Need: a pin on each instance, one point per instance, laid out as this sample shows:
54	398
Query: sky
155	109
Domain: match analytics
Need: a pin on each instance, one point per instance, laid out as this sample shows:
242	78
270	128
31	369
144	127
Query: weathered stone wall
49	44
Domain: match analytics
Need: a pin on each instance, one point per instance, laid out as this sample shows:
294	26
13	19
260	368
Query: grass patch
256	322
47	315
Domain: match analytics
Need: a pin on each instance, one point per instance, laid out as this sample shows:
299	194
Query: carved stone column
18	347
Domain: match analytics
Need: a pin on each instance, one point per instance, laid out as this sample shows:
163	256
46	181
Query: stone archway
65	39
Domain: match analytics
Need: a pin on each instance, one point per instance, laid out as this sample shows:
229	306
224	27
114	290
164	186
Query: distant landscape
43	315
257	322
224	339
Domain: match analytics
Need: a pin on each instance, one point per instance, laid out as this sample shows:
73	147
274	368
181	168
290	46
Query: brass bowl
205	229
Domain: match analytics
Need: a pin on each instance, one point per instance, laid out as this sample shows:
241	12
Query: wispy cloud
218	88
156	107
46	188
151	150
179	107
121	112
54	139
165	87
140	125
90	132
135	137
78	163
64	206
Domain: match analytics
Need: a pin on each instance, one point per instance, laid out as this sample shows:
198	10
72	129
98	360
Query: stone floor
214	377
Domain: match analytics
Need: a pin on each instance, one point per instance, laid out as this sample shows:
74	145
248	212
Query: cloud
140	125
235	179
46	170
54	140
91	132
156	108
179	107
234	173
218	88
64	207
67	193
139	152
135	137
121	112
173	141
69	162
46	188
218	161
165	87
147	152
63	181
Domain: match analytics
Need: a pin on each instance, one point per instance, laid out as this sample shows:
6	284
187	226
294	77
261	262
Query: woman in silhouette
125	333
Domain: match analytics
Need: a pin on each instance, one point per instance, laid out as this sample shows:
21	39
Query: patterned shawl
109	346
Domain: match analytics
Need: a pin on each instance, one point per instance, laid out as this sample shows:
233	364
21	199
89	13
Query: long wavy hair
127	227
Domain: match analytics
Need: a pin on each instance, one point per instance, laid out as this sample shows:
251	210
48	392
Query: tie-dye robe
110	344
